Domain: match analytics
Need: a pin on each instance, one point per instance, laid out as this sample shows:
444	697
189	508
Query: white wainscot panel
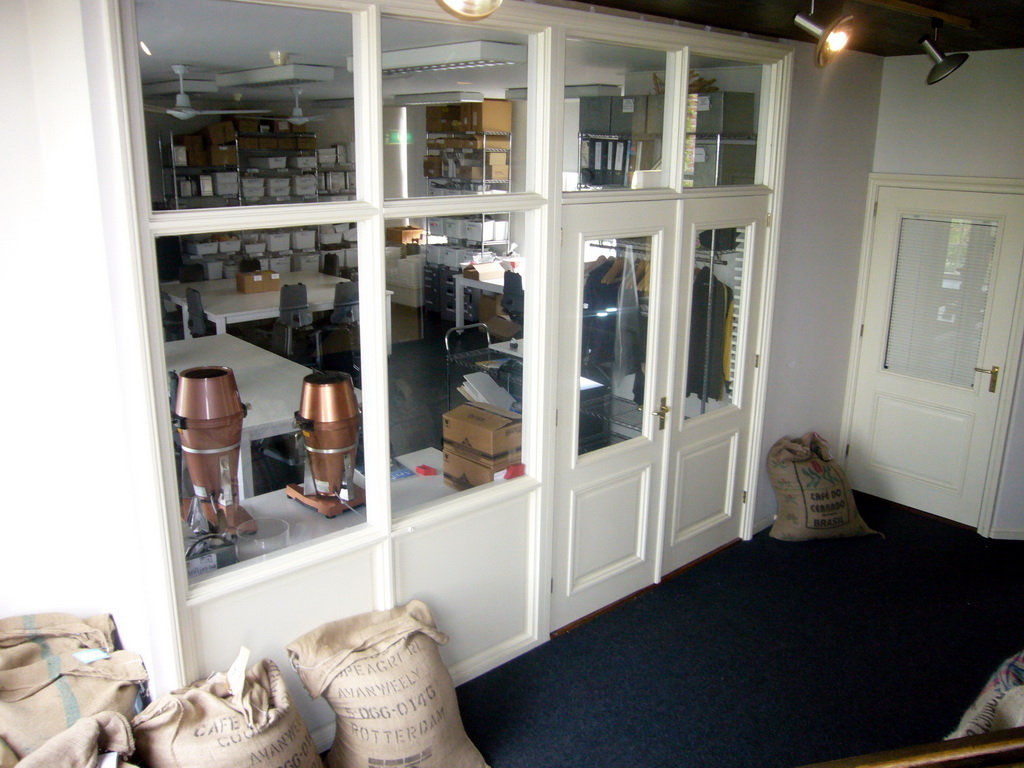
608	527
921	441
265	617
476	573
703	490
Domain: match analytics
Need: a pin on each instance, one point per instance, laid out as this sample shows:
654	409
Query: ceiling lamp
944	65
470	10
444	97
831	39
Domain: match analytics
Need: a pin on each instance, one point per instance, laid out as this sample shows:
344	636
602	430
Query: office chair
332	264
191	273
197	323
512	298
294	316
345	312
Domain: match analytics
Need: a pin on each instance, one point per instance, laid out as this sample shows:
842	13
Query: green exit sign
395	137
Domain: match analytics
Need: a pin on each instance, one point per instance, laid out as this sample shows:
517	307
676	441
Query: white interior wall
828	158
966	125
78	488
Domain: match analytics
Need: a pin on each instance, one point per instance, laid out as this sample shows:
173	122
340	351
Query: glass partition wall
278	320
266	329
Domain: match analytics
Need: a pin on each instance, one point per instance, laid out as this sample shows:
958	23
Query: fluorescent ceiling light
284	74
333	103
444	97
571	92
434	58
173	86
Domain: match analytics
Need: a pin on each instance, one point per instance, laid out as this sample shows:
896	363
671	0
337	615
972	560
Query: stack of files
481	388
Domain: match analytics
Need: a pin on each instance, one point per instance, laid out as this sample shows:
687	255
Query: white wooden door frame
876	182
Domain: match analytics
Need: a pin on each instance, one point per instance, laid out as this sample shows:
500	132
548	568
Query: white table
270	384
461	283
223	303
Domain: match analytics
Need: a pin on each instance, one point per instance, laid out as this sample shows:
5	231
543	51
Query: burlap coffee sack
39	700
1000	704
393	698
27	639
236	719
815	501
81	745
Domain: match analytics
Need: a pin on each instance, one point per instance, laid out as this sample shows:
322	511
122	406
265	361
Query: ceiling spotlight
470	10
944	65
831	39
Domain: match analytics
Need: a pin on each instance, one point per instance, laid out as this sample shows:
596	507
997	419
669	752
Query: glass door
613	406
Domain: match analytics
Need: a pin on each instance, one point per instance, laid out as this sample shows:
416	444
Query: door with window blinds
938	343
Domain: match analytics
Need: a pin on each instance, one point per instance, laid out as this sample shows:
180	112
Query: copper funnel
329	418
208	415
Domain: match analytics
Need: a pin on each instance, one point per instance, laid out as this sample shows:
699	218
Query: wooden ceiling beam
929	13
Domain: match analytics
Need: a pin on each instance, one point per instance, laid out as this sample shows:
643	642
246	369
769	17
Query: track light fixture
831	39
470	10
944	65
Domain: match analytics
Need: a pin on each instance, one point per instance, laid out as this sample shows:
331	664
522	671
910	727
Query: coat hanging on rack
710	337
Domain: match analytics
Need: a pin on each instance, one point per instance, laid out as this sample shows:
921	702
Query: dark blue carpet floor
768	654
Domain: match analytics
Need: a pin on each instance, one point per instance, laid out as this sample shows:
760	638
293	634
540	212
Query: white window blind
937	317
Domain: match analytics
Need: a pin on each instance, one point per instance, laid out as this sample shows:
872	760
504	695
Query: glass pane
937	320
270	306
455	374
721	122
614	116
246	104
448	127
715	312
616	287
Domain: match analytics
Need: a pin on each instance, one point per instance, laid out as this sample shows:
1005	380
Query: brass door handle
662	412
994	373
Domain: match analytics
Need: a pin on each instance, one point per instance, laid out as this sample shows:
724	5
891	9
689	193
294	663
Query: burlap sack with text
815	501
236	719
27	639
81	745
393	698
39	700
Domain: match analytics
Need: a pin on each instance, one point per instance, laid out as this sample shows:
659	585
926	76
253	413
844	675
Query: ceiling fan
183	109
297	118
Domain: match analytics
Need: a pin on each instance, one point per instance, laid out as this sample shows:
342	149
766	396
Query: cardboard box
198	157
503	329
484	434
492	142
463	473
403	235
190	141
246	124
490	271
258	282
432	166
499	172
488	115
248	142
305	142
225	154
219	133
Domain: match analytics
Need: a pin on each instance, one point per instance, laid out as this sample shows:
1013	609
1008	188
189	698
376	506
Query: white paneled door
613	403
712	418
938	350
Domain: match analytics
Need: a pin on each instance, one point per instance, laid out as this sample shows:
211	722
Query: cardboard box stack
480	440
